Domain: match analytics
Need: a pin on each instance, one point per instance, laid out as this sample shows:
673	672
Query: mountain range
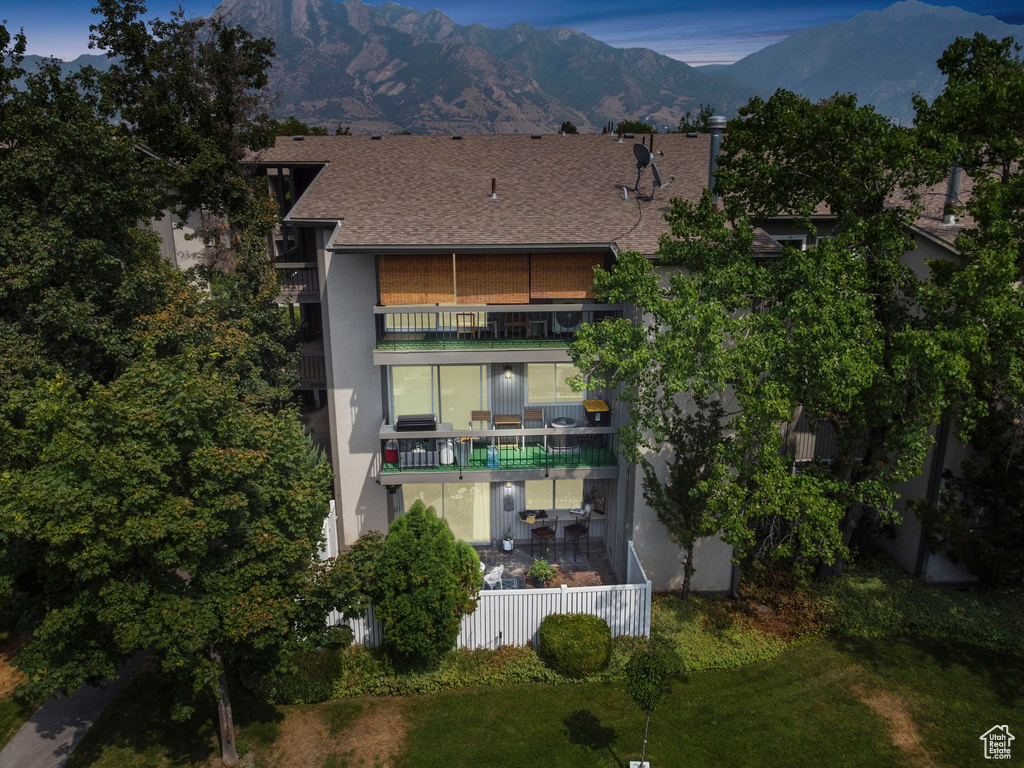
388	67
882	56
384	68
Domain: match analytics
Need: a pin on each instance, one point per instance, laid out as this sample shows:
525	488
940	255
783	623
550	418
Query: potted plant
542	572
506	539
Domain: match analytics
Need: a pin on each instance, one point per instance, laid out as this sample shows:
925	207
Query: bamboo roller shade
478	279
492	279
563	275
427	279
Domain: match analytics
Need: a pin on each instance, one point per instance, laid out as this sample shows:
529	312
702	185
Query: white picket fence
513	616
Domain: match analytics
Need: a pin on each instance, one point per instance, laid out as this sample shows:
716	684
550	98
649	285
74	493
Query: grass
836	702
13	711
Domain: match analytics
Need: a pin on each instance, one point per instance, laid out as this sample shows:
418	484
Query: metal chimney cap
717	121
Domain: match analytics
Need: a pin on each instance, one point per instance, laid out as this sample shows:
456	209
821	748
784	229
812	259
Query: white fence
513	616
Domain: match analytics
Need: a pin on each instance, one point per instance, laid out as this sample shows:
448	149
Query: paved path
52	733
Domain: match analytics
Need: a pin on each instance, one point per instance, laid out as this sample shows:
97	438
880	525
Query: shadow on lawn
1003	672
584	728
140	720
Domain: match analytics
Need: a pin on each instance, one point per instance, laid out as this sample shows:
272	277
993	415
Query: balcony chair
465	324
534	417
493	578
543	531
576	531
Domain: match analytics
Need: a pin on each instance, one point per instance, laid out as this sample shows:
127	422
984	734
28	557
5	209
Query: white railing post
563	598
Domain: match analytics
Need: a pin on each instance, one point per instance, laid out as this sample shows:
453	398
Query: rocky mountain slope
391	68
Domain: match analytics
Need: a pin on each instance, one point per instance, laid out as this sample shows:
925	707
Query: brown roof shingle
434	191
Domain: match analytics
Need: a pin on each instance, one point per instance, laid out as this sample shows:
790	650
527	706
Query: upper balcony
544	330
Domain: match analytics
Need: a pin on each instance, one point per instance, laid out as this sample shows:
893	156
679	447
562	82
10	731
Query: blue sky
708	32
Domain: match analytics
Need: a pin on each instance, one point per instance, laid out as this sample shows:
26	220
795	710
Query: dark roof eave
471	248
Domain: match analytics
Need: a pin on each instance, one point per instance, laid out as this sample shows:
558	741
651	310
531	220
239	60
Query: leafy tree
193	91
976	302
292	126
636	126
164	512
343	130
769	335
424	583
568	128
645	683
979	520
679	503
697	123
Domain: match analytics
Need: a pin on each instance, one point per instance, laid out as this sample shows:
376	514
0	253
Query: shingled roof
555	191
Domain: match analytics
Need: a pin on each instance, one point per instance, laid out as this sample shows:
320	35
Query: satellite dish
657	176
643	156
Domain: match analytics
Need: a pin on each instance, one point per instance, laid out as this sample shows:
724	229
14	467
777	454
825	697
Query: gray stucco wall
348	293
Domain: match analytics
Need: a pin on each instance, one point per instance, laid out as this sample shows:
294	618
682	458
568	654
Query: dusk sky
711	32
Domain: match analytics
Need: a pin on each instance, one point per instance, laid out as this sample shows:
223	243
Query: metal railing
446	450
485	326
312	371
298	279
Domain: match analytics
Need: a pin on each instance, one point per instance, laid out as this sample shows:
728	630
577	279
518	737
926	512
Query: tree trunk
643	749
228	753
846	527
687	572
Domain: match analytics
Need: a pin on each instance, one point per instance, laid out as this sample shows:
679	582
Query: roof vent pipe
952	195
716	123
620	133
494	188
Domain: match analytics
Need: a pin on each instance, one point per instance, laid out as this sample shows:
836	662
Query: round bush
575	644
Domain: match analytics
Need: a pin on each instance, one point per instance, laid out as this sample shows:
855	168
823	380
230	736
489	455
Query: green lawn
822	703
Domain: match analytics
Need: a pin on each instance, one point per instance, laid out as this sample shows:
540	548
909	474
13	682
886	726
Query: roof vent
692	135
457	137
375	137
628	136
298	138
534	135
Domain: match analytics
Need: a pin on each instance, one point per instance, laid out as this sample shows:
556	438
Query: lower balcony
498	453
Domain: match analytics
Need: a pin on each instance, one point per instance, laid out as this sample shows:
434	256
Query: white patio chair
492	579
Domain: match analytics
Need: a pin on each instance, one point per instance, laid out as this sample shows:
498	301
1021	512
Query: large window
549	383
465	506
413	390
450	391
554	494
463	390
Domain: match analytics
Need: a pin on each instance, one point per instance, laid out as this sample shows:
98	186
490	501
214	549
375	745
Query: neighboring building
445	275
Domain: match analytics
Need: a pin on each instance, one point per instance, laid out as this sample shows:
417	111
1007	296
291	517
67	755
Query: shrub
307	678
542	571
575	644
423	583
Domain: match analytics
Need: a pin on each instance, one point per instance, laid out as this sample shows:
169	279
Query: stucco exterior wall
348	292
663	560
175	245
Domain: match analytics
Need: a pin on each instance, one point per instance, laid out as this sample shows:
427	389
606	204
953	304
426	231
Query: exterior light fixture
508	371
508	485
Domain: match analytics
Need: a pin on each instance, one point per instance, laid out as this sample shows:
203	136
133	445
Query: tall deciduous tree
163	512
833	329
695	440
194	91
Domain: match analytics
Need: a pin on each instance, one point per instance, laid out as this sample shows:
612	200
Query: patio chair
543	531
576	531
484	417
492	579
534	417
465	325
